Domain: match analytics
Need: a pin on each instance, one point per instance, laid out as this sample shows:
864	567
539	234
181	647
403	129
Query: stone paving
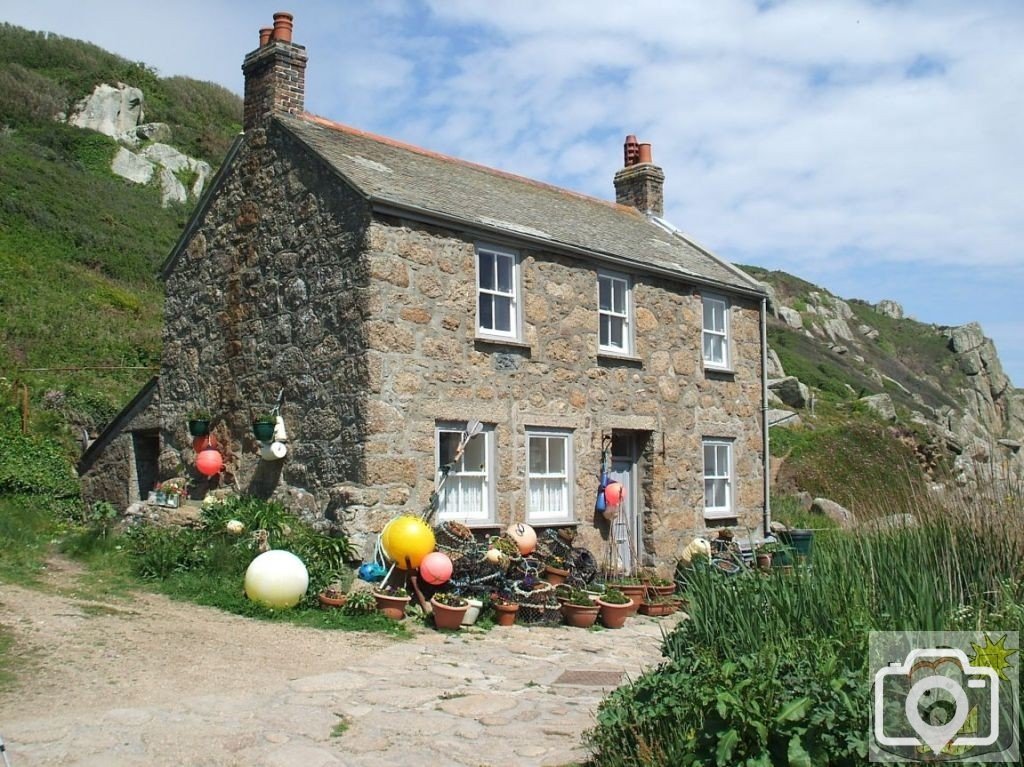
473	698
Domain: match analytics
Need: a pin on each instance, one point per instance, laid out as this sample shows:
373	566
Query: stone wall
268	297
426	365
367	326
110	469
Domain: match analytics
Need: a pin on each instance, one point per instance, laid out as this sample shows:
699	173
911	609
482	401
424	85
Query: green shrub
771	669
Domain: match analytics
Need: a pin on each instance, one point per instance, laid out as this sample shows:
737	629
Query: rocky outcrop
791	391
118	113
834	511
109	110
980	437
881	405
889	308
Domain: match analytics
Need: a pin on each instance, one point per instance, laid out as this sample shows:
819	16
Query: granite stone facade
365	323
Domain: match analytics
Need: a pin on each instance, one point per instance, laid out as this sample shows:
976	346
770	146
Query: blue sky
874	148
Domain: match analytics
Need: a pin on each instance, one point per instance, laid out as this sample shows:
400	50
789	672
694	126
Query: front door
626	527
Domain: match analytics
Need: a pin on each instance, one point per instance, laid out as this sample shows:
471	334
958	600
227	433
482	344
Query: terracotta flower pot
505	615
635	591
580	616
447	617
391	607
327	602
657	609
614	616
555	575
764	561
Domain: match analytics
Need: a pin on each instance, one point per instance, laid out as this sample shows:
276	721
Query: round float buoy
524	536
613	493
406	541
209	462
276	579
436	568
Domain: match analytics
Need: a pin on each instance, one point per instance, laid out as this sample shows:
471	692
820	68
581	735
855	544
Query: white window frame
610	314
514	331
451	490
545	517
717	474
722	303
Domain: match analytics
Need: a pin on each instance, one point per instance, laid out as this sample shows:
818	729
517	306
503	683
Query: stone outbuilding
385	298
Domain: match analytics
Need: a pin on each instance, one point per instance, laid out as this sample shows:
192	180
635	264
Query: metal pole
766	463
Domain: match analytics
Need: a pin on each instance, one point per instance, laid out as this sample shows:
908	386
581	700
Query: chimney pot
640	184
630	151
275	75
283	26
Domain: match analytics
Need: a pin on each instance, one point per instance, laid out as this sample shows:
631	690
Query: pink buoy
613	493
209	462
524	536
436	568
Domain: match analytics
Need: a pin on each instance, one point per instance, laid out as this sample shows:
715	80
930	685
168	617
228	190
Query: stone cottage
385	297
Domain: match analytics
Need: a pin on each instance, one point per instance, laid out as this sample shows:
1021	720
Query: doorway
146	446
627	527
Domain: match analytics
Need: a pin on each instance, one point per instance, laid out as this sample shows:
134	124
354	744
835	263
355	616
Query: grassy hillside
79	247
42	75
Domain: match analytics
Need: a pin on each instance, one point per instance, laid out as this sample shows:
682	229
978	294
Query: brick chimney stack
640	183
275	74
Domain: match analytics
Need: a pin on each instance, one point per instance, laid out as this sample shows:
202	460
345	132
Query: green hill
79	246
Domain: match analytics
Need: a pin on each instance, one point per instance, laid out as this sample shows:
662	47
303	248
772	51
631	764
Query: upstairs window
716	332
468	492
614	301
497	281
718	482
549	496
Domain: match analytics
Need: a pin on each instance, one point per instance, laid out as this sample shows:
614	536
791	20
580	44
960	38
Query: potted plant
661	586
657	606
448	609
199	423
392	601
628	585
263	426
172	492
578	610
765	554
360	603
555	571
615	608
505	608
333	595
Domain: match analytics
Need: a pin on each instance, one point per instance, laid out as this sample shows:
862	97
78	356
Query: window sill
617	356
564	523
719	516
502	342
721	371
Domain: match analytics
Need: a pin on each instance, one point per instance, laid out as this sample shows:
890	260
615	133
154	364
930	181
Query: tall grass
773	669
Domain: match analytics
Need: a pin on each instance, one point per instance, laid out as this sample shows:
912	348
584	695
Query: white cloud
839	139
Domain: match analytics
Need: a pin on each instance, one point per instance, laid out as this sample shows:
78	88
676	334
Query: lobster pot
454	539
556	543
544	614
582	565
474	575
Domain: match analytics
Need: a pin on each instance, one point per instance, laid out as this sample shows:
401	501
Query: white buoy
276	579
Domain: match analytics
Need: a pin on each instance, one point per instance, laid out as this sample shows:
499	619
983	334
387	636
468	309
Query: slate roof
391	174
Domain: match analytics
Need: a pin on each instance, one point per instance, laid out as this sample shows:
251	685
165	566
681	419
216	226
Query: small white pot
472	613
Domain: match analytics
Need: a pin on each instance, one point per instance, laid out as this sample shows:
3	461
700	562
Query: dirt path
149	681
